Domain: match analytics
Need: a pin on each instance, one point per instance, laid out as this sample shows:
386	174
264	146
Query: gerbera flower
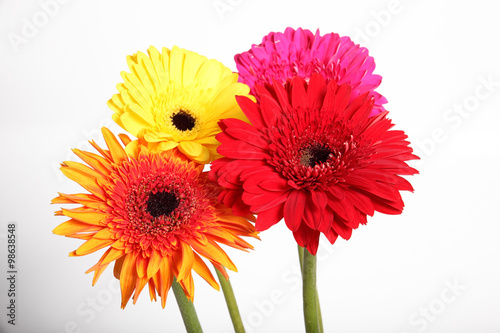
301	53
157	215
313	157
174	99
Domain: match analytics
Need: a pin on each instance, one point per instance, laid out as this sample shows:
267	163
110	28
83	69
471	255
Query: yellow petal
132	149
190	148
157	137
176	65
156	61
192	65
209	140
225	101
166	145
116	103
134	88
150	71
205	156
210	74
133	122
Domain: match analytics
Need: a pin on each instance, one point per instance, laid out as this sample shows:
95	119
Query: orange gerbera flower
157	213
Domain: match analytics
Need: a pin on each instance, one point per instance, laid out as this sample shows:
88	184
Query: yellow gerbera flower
175	99
157	213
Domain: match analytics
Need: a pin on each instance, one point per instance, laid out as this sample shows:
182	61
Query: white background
435	268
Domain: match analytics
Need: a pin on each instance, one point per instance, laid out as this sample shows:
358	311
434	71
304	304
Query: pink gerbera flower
301	53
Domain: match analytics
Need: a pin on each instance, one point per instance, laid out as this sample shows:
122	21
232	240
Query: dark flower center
183	121
162	203
314	155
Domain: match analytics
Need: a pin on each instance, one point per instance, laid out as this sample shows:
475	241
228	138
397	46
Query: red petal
340	228
251	110
282	95
270	110
241	130
316	91
307	238
269	218
294	209
299	95
241	150
331	235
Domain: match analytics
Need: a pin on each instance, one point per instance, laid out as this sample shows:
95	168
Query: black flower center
183	121
162	203
314	155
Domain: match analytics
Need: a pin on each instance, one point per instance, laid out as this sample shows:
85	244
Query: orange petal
125	139
142	266
73	226
95	161
83	169
221	269
128	277
139	285
86	216
166	278
152	290
183	261
115	148
188	285
98	273
87	182
154	263
104	234
202	270
118	267
92	245
213	252
112	255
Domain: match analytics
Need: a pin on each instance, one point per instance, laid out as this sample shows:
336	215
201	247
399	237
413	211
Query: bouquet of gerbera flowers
300	134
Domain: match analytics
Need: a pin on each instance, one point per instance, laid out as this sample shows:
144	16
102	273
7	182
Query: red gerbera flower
314	157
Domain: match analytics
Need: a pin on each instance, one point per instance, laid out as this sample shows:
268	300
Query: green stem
232	306
301	256
301	261
310	294
186	307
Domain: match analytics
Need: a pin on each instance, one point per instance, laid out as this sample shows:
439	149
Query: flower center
183	121
162	203
314	155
